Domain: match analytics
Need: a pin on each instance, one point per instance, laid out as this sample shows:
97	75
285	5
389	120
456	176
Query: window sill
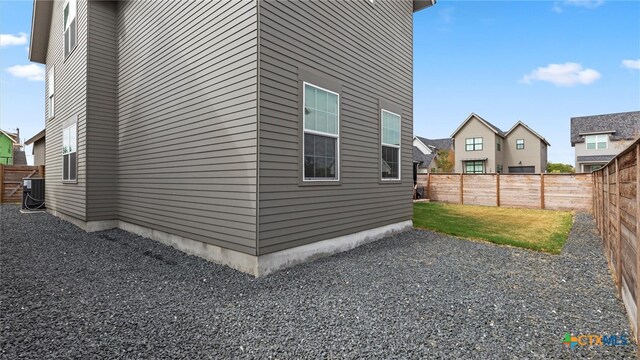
70	181
390	181
320	183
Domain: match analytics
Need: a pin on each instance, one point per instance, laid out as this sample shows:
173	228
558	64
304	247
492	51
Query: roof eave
36	137
40	22
422	4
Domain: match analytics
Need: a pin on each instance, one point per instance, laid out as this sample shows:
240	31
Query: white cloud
558	6
10	39
589	4
30	72
631	64
567	74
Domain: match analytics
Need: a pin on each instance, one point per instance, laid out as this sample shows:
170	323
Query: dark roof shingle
419	157
446	143
598	158
625	126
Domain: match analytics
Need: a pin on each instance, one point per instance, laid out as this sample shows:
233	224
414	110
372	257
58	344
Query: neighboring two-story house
257	134
599	138
481	147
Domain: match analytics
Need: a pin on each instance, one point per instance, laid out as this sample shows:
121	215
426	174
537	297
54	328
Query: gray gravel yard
65	293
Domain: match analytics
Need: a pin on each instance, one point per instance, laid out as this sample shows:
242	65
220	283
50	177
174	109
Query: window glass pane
332	104
321	110
321	100
321	121
72	166
65	141
390	129
469	141
310	96
390	163
591	146
602	145
320	156
65	167
66	15
72	137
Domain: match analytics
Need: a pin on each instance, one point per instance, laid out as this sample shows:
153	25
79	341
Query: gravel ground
65	293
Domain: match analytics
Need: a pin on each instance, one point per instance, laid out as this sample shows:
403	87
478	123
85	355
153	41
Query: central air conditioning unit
33	194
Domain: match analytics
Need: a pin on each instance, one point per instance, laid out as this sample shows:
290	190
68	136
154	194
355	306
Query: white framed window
390	140
519	144
321	142
70	26
474	167
69	153
51	92
596	142
473	144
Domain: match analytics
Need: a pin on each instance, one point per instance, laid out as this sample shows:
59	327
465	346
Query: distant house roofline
9	136
36	137
491	127
530	130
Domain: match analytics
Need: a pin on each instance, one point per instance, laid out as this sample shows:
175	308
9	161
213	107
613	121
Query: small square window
520	144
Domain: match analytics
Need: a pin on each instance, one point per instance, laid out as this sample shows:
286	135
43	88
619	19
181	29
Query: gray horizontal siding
70	100
368	49
102	111
187	128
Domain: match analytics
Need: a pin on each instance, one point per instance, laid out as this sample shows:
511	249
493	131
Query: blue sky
540	62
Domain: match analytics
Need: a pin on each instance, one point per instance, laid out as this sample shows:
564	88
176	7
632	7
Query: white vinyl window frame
69	26
70	152
473	144
596	140
51	92
336	136
399	146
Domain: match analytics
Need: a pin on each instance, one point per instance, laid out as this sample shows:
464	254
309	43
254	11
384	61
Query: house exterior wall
187	126
330	43
39	152
474	128
613	148
6	150
68	198
531	155
101	145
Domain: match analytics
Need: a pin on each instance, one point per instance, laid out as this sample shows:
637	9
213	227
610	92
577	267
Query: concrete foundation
255	265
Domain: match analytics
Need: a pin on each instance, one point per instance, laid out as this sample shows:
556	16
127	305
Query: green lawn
540	230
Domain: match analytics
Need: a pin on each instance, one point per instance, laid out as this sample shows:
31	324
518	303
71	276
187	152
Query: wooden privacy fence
11	181
536	191
616	190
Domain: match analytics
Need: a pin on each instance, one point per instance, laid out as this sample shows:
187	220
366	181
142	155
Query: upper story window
70	27
473	144
69	153
321	133
519	144
390	139
50	92
596	142
498	144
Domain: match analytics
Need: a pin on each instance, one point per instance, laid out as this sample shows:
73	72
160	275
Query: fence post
606	215
618	236
428	190
1	183
41	171
498	190
541	190
461	189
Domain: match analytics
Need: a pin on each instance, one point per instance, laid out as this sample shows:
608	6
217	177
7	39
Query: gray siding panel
187	119
102	111
368	49
70	100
